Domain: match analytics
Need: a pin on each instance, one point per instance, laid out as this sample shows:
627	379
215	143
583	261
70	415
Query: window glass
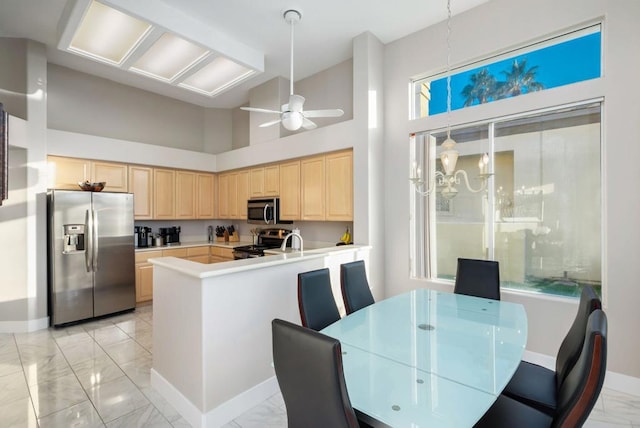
540	213
570	58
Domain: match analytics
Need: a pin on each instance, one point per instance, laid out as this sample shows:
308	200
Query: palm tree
519	80
482	88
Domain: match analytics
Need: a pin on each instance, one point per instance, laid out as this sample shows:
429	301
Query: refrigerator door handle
94	242
88	251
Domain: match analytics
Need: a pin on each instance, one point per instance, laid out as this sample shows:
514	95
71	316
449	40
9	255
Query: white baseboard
540	359
612	380
229	410
222	414
24	326
182	404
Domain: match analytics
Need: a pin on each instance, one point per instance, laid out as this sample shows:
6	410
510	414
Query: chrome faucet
284	241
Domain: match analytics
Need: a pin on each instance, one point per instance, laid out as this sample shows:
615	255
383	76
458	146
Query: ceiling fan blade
296	102
273	122
335	112
260	110
307	124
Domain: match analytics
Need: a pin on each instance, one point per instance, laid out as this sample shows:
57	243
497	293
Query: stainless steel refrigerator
91	269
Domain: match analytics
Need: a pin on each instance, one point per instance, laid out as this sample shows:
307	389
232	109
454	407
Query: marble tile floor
97	374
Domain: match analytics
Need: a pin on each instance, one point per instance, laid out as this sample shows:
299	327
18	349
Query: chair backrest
580	389
355	287
480	278
574	340
308	367
315	299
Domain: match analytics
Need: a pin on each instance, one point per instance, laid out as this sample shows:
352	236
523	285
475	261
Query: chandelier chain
448	69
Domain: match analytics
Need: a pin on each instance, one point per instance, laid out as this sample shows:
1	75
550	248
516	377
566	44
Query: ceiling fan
292	114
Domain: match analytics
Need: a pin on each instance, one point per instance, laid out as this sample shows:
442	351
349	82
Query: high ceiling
323	37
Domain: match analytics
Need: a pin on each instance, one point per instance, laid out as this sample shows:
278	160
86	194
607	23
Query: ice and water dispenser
73	238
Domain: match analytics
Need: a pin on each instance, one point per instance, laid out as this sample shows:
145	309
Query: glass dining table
429	359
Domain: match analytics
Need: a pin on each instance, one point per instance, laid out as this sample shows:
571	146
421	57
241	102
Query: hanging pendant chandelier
449	154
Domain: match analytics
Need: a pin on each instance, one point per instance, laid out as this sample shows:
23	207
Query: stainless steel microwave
264	211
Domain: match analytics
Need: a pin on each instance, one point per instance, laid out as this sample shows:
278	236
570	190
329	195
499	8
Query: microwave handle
264	214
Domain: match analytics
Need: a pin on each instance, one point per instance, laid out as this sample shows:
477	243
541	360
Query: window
559	61
540	215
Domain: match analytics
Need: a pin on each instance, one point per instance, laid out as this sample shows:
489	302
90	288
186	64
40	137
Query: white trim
612	380
182	404
24	326
623	383
222	414
539	359
241	403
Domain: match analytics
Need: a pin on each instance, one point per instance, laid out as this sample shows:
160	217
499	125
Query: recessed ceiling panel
107	34
218	75
169	56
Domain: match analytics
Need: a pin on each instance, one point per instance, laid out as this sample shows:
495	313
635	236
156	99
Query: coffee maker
170	235
142	233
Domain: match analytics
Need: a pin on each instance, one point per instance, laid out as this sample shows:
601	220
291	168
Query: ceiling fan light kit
292	114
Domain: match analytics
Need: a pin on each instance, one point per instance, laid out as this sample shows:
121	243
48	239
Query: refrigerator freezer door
114	259
71	285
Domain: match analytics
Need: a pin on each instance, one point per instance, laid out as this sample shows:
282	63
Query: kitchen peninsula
212	327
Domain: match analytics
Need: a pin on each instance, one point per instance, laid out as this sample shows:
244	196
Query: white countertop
202	270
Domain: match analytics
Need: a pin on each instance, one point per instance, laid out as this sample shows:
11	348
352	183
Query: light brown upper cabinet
66	173
114	174
164	193
264	181
223	195
205	187
339	186
141	185
233	192
232	195
313	188
256	182
318	188
185	195
242	194
290	190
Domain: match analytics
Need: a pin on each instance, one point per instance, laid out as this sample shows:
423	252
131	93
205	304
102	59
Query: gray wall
240	134
86	104
13	76
218	130
495	27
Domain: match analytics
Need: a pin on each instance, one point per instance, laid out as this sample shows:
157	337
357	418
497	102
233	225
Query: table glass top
461	346
404	396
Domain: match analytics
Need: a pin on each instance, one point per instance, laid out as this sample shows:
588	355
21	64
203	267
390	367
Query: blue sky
567	62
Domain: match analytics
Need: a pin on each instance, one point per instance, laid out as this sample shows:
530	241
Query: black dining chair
536	386
308	367
576	396
315	299
356	293
480	278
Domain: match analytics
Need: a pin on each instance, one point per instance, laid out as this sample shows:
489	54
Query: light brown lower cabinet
219	254
144	282
200	259
198	254
144	275
175	252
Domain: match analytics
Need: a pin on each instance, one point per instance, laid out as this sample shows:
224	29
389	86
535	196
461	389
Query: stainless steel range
267	239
